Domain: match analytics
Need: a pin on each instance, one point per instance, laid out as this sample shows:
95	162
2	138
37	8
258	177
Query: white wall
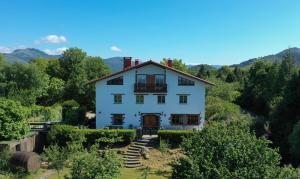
105	100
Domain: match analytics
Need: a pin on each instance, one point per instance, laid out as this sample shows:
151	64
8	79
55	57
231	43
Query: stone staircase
132	157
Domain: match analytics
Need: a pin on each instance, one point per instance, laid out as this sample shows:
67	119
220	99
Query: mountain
25	55
274	58
114	63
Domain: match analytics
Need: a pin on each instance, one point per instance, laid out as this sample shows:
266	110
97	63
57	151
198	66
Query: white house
150	96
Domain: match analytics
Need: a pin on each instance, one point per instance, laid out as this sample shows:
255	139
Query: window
117	119
159	79
161	99
118	99
141	79
139	99
185	82
185	119
182	99
115	81
193	120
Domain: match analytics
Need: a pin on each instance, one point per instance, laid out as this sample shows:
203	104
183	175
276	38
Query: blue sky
197	31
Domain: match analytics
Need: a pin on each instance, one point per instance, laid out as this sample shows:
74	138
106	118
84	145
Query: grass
131	173
126	173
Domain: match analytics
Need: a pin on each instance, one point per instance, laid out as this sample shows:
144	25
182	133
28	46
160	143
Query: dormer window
115	81
185	82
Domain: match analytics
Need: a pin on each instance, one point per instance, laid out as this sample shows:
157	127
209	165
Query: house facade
150	96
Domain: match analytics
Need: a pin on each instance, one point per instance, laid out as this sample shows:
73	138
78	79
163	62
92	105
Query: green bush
72	113
13	123
61	134
90	165
42	113
175	137
70	104
227	151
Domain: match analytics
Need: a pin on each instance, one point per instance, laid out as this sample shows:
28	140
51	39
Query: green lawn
126	173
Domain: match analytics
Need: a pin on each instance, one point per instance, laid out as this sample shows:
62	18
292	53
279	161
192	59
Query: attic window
116	81
185	82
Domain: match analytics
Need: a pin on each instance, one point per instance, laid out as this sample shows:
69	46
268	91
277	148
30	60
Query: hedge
175	137
61	134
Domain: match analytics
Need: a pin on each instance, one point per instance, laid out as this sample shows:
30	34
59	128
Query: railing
150	87
41	126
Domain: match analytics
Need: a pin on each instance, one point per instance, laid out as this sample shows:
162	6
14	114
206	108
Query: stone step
135	147
143	140
131	159
132	162
140	143
133	165
132	154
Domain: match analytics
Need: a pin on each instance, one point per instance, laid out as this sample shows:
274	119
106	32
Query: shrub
228	151
61	134
163	146
73	114
56	156
174	137
90	165
13	123
70	104
41	113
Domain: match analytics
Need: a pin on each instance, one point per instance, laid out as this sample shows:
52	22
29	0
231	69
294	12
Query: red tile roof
151	63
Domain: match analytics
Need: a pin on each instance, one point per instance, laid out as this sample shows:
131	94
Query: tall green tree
24	82
70	61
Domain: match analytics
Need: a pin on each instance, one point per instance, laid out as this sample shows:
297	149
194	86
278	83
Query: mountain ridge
27	54
274	57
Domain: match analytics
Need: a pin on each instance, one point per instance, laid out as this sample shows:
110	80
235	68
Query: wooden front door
150	122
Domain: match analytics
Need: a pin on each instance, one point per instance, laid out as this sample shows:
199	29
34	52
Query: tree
223	72
55	91
258	90
24	82
71	61
227	151
94	68
202	72
177	64
54	69
13	123
294	142
90	165
56	156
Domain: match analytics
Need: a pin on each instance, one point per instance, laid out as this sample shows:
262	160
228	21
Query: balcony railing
150	87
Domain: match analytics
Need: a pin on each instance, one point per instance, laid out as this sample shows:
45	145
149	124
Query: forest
257	106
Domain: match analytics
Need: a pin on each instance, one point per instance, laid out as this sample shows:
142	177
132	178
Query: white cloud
115	49
5	49
53	39
57	51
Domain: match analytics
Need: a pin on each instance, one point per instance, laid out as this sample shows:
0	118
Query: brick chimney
170	63
126	62
136	62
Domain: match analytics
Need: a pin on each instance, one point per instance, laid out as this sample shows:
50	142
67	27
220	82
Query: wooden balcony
150	88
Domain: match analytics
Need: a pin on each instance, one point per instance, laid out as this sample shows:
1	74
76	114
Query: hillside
273	58
114	63
25	55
